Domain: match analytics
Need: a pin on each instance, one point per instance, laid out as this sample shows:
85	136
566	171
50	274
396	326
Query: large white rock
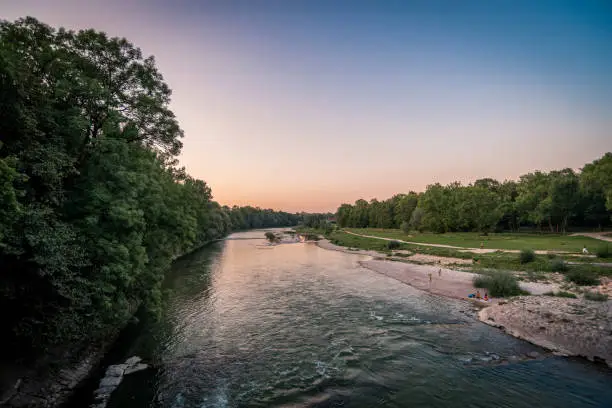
137	367
108	382
132	361
116	370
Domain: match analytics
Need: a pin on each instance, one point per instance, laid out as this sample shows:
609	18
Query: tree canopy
94	209
554	201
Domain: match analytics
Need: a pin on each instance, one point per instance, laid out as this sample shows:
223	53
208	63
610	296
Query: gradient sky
303	105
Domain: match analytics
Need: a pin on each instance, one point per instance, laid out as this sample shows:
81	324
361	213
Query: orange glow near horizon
304	112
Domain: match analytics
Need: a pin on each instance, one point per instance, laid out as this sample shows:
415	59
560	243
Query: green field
517	241
486	262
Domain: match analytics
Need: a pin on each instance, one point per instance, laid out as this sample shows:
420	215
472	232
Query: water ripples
299	326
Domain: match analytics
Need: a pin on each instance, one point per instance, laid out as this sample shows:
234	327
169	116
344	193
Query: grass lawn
486	262
555	242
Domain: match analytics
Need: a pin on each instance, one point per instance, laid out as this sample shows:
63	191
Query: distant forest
553	202
94	208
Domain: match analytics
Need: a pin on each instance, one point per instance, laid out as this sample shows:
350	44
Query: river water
295	325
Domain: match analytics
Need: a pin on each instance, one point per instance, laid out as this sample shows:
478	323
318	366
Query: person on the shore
584	250
477	294
486	297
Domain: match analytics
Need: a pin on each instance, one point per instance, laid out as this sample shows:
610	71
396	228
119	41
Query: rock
108	382
103	393
138	367
495	357
132	361
533	354
116	370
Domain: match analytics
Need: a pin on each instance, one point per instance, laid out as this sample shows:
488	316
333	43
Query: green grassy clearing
515	241
536	270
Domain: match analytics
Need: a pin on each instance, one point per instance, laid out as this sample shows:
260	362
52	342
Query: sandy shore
572	327
444	281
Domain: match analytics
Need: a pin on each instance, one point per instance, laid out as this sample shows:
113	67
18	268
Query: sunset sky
303	105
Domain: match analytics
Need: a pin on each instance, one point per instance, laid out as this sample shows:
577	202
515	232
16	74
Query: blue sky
378	97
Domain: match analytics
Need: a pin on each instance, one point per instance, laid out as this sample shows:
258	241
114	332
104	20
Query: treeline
552	201
318	221
93	208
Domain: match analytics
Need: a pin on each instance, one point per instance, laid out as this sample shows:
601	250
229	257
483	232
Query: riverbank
571	327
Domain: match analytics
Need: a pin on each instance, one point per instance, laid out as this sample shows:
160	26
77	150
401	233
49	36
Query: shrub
596	296
603	252
405	227
526	256
393	245
499	284
561	294
582	277
557	265
551	256
270	236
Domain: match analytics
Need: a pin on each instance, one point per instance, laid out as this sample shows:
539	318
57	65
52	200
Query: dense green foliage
604	251
94	208
499	284
526	256
595	296
583	277
557	265
393	245
555	200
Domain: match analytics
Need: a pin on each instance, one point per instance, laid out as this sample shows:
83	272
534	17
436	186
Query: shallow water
295	325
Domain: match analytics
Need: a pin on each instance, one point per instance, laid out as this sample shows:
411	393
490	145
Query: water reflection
295	325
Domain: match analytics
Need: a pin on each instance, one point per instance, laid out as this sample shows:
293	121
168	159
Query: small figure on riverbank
477	294
486	297
585	251
440	272
482	245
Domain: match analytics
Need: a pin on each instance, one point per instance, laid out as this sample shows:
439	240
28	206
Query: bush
596	296
551	256
270	236
561	294
499	284
582	277
603	252
557	265
526	256
405	227
393	245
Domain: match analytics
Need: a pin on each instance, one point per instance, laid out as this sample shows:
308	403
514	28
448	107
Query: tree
344	215
416	220
596	182
564	193
404	206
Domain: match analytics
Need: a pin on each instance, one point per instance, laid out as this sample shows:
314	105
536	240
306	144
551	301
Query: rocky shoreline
49	386
567	327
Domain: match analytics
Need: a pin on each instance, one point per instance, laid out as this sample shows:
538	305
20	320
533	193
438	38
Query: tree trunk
550	225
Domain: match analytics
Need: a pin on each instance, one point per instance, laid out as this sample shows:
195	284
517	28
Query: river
294	325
